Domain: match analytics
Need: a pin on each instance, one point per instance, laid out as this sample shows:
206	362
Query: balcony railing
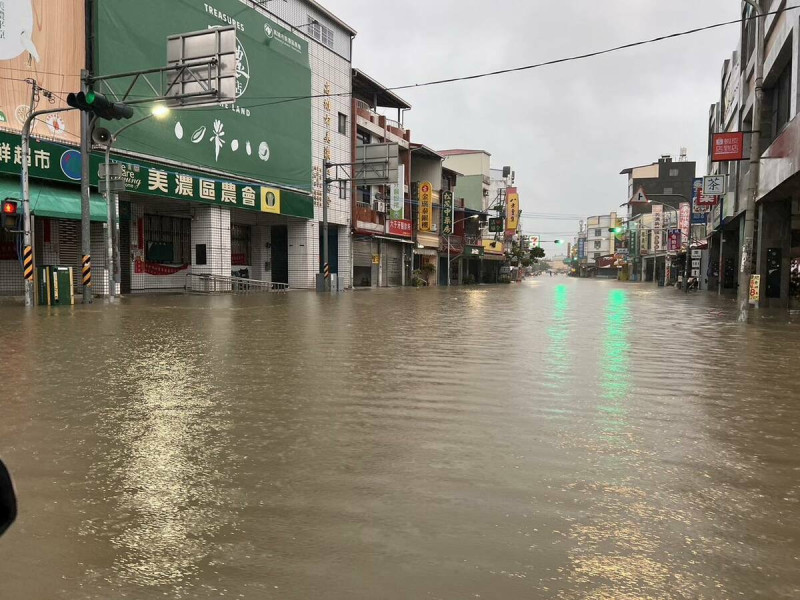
362	105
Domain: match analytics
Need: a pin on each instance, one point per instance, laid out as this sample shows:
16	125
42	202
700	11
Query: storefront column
211	227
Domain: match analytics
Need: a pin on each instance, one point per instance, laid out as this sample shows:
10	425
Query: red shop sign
400	227
727	146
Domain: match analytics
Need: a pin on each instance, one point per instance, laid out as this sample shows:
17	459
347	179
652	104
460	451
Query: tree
536	254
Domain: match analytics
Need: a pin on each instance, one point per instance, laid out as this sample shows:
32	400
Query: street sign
447	212
475	251
695	263
714	185
674	240
695	272
639	196
495	224
534	241
697	253
727	146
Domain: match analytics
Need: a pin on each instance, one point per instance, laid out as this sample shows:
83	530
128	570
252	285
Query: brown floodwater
556	439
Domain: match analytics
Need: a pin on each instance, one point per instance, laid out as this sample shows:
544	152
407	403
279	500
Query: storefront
426	257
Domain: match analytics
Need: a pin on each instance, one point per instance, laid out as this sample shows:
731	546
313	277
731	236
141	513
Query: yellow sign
270	200
512	210
425	206
492	247
755	288
376	259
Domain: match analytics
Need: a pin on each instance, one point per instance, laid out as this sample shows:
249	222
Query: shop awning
53	201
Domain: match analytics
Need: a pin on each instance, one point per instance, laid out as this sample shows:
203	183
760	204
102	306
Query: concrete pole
325	190
745	269
112	288
86	223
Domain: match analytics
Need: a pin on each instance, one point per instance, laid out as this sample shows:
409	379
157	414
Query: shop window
364	195
598	233
343	190
240	245
167	240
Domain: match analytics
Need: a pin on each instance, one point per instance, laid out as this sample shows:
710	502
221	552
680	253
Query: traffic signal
99	105
616	230
10	214
558	241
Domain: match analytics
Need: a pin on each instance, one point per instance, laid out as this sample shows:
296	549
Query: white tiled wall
212	226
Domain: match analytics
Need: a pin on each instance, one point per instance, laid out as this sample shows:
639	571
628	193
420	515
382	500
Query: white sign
714	185
695	272
639	196
695	264
534	241
658	222
697	253
16	29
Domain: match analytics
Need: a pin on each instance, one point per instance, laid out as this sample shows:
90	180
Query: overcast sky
567	130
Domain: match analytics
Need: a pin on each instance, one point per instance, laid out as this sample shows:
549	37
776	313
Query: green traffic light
91	97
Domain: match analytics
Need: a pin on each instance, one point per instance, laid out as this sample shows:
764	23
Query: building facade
233	190
777	236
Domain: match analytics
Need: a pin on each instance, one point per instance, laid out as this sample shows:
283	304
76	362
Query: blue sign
581	248
699	218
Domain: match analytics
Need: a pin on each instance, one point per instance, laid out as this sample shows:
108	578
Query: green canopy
54	201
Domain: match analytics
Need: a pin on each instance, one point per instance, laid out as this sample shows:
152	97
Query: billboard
447	212
512	211
685	217
264	135
42	41
397	204
581	248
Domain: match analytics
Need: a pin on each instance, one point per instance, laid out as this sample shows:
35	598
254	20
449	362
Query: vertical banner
447	212
684	220
674	240
581	248
425	206
512	211
658	224
755	288
397	205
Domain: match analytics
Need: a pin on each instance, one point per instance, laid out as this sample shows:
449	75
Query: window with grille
240	245
598	232
318	31
343	123
674	172
167	240
343	190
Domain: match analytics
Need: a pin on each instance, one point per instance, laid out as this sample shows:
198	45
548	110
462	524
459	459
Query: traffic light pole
27	238
86	223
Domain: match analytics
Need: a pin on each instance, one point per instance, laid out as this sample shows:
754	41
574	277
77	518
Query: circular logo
263	151
242	70
71	164
55	125
22	113
268	30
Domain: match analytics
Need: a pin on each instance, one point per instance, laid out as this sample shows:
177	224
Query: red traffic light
9	207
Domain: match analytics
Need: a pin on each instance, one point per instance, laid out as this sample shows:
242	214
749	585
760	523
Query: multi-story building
665	184
601	245
475	187
218	191
777	237
381	246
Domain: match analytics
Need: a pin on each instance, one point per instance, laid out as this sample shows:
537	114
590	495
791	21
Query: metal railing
224	284
363	105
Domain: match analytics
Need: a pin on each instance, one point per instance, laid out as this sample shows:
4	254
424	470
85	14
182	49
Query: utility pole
86	223
27	248
745	270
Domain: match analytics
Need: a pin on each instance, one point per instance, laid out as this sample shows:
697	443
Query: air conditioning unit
380	206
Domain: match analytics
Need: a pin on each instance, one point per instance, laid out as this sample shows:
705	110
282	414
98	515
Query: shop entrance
280	254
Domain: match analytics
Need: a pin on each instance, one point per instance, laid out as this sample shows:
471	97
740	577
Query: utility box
55	286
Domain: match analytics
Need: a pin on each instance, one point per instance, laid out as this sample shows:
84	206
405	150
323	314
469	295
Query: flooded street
555	439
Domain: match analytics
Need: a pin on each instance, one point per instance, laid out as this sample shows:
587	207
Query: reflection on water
559	439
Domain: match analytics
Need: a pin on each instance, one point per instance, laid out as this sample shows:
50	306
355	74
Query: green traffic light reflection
615	373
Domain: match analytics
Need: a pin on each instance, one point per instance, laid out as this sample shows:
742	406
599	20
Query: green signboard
264	135
496	225
56	162
447	212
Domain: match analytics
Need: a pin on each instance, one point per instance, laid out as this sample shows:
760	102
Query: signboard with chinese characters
684	219
534	242
727	146
581	248
397	202
399	227
54	162
425	206
700	202
658	224
755	288
254	137
447	212
512	211
475	251
714	185
495	224
674	240
44	41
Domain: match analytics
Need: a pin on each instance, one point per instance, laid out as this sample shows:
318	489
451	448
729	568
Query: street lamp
448	242
159	111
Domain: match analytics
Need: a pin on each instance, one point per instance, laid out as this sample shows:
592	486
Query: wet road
556	439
